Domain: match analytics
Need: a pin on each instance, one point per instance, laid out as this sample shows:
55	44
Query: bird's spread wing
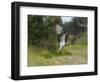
59	29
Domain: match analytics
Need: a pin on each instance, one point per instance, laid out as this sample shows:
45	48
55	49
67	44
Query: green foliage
75	27
82	39
41	31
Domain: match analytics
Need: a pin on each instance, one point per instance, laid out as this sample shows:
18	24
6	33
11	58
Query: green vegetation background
43	45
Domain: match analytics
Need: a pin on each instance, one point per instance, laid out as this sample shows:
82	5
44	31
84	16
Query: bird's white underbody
62	38
62	44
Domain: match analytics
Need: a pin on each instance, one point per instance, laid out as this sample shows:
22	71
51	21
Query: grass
72	54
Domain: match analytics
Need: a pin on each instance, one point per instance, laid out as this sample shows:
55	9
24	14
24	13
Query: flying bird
62	36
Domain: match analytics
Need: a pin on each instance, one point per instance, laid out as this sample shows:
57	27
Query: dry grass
73	54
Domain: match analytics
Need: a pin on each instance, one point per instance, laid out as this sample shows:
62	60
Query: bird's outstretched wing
58	29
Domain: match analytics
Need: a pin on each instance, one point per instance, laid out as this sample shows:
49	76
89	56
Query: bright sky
66	19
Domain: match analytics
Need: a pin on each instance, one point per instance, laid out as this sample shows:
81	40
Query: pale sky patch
66	19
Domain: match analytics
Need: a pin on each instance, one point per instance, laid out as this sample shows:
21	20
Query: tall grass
82	39
72	54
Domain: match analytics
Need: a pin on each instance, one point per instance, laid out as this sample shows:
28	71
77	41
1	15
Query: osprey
61	36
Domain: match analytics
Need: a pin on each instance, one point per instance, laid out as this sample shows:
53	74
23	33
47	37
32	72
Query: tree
41	30
76	26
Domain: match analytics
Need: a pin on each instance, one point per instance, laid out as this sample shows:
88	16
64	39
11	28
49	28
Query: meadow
72	54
